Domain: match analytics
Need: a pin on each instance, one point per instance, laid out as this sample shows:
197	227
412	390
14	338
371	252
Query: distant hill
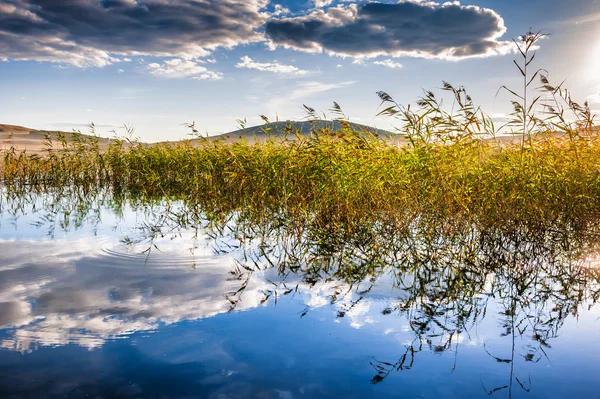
32	140
290	128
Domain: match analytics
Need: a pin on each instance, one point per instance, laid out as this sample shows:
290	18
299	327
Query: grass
338	177
458	218
455	171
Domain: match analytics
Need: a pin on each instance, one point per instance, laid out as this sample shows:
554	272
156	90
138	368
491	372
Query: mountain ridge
290	128
32	140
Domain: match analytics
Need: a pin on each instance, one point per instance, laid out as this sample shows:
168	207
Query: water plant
457	169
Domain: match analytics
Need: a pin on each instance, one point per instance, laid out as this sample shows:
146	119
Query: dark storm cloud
93	32
422	29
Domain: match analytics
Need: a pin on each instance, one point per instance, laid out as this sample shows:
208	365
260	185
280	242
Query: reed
456	166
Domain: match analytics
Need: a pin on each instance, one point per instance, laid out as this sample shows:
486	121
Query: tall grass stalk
456	167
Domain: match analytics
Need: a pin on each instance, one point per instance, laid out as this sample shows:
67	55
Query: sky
157	64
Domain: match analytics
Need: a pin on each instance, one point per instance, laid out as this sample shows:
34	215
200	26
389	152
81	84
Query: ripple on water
95	289
164	253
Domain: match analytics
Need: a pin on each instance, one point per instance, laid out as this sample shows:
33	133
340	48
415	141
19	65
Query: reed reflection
444	280
441	277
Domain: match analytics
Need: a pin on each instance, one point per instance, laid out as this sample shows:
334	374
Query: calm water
91	308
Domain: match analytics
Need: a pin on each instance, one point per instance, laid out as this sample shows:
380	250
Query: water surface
111	304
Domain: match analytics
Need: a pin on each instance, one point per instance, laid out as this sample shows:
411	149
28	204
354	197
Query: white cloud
594	98
322	3
179	68
306	89
280	10
75	32
389	64
249	63
584	19
303	90
405	29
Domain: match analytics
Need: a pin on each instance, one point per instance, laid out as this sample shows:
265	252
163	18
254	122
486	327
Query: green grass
457	217
453	172
336	179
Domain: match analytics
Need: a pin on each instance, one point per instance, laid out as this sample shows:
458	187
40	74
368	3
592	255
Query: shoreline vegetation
455	167
344	175
465	220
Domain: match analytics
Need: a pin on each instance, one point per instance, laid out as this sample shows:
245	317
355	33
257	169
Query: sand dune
32	140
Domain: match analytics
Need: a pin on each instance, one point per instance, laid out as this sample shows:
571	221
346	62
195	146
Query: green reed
454	165
339	176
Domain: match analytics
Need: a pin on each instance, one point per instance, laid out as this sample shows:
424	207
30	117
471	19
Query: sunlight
594	63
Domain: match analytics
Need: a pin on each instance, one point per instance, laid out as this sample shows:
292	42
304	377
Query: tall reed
456	166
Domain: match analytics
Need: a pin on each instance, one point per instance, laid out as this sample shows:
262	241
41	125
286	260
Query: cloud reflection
89	290
61	292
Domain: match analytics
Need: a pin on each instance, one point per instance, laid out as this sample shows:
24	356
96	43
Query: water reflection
229	299
80	292
445	286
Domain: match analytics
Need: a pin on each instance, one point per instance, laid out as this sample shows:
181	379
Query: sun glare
594	64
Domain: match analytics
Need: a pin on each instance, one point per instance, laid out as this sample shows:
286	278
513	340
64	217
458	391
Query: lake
129	300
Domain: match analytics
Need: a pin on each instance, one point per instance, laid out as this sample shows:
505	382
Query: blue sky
156	64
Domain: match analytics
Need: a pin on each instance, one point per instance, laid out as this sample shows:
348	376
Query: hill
32	140
289	129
